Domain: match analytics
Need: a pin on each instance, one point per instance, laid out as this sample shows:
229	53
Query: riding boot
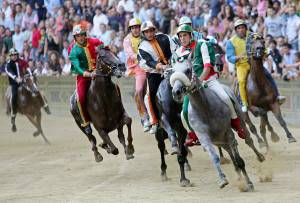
146	123
88	130
236	125
192	140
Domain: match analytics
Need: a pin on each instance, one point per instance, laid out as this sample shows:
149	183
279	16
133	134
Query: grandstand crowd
41	30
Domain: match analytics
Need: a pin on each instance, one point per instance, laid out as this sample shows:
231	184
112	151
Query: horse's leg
249	142
129	149
106	139
122	141
277	113
171	134
159	135
223	160
181	156
235	164
36	121
206	143
254	131
263	124
241	164
93	141
274	136
39	124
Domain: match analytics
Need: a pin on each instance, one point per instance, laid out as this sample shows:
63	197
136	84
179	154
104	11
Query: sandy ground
31	171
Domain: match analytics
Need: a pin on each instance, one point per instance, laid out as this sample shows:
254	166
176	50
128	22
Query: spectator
18	39
41	11
38	68
18	14
7	41
104	34
275	54
30	17
2	65
128	5
54	64
293	28
46	71
197	19
36	37
274	25
66	70
98	19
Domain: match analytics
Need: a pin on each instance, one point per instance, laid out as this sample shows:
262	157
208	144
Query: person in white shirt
66	70
293	28
18	39
128	5
104	35
99	18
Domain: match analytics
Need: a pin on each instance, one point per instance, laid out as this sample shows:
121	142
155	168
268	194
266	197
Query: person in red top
83	55
36	36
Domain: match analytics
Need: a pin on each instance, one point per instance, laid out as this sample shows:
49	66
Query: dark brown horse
261	95
105	107
30	102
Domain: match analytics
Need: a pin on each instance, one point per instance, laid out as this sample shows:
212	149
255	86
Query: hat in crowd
185	20
134	21
147	25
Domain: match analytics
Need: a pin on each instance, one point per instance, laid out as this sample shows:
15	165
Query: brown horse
105	107
261	95
30	102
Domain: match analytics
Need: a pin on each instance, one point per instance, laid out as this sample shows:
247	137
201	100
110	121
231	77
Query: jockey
185	20
154	53
203	60
83	58
237	54
16	68
130	44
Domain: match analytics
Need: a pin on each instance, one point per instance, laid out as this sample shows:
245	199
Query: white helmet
185	20
147	25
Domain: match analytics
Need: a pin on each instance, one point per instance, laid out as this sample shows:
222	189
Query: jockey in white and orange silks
130	44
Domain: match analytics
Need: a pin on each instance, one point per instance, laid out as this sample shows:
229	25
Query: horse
170	120
210	118
30	101
104	105
261	95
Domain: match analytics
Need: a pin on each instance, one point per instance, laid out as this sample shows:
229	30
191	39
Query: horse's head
255	46
181	78
108	64
219	53
29	84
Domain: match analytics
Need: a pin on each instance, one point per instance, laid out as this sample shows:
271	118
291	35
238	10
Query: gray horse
209	117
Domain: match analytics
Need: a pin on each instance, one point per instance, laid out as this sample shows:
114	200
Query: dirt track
66	171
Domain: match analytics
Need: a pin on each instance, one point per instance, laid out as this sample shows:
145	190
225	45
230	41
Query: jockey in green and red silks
82	54
203	59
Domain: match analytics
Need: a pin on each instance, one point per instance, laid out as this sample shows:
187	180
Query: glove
18	80
89	74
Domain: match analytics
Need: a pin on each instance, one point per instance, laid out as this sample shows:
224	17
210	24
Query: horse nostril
177	92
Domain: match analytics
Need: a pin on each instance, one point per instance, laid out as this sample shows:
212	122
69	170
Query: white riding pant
214	85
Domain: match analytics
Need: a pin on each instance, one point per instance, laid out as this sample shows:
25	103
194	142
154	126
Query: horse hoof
185	183
98	157
292	139
115	151
164	178
129	150
223	183
35	134
174	150
250	187
187	167
261	158
129	156
224	160
275	137
262	144
14	128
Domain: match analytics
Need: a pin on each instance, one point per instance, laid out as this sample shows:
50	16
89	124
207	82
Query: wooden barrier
58	91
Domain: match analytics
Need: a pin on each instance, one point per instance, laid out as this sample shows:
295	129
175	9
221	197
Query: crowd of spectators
41	30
